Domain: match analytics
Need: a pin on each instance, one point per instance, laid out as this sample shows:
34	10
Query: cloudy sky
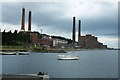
55	18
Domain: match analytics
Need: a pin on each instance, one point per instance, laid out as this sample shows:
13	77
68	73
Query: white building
57	42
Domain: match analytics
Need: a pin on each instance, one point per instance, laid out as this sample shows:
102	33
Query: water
91	64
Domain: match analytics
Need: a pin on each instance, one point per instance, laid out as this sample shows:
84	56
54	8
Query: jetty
25	76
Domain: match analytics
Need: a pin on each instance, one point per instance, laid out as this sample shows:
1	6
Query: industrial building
41	39
35	37
87	41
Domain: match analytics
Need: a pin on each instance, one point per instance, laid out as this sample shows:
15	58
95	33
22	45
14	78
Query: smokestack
79	31
29	21
23	20
73	37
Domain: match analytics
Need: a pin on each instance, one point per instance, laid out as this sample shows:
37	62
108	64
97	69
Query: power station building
87	41
35	37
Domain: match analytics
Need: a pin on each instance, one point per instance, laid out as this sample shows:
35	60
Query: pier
25	77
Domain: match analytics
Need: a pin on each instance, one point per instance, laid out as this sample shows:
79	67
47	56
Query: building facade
87	41
41	40
90	41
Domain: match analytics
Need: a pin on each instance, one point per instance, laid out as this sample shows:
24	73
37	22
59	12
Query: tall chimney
79	31
73	36
23	20
29	21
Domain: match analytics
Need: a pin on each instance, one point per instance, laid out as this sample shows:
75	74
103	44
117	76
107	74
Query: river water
91	64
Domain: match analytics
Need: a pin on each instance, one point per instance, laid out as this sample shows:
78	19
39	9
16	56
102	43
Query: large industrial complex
39	39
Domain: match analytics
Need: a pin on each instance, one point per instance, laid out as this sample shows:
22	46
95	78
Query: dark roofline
59	37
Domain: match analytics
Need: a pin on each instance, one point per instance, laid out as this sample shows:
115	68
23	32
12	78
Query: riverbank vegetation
15	39
34	49
41	49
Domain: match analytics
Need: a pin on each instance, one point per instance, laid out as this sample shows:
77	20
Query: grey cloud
52	16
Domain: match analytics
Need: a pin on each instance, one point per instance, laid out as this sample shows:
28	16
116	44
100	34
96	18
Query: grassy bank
34	49
82	49
41	49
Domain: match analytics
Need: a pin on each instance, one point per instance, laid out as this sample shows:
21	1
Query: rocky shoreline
49	51
34	50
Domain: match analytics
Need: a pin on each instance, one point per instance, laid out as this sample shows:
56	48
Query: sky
55	18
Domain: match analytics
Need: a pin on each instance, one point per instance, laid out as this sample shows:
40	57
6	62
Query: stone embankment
49	51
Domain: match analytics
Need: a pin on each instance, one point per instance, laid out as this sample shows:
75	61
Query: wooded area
15	39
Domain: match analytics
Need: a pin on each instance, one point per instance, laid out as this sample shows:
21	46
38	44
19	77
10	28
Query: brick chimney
79	31
73	36
29	21
23	20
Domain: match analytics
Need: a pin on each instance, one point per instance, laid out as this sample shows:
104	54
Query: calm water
91	64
